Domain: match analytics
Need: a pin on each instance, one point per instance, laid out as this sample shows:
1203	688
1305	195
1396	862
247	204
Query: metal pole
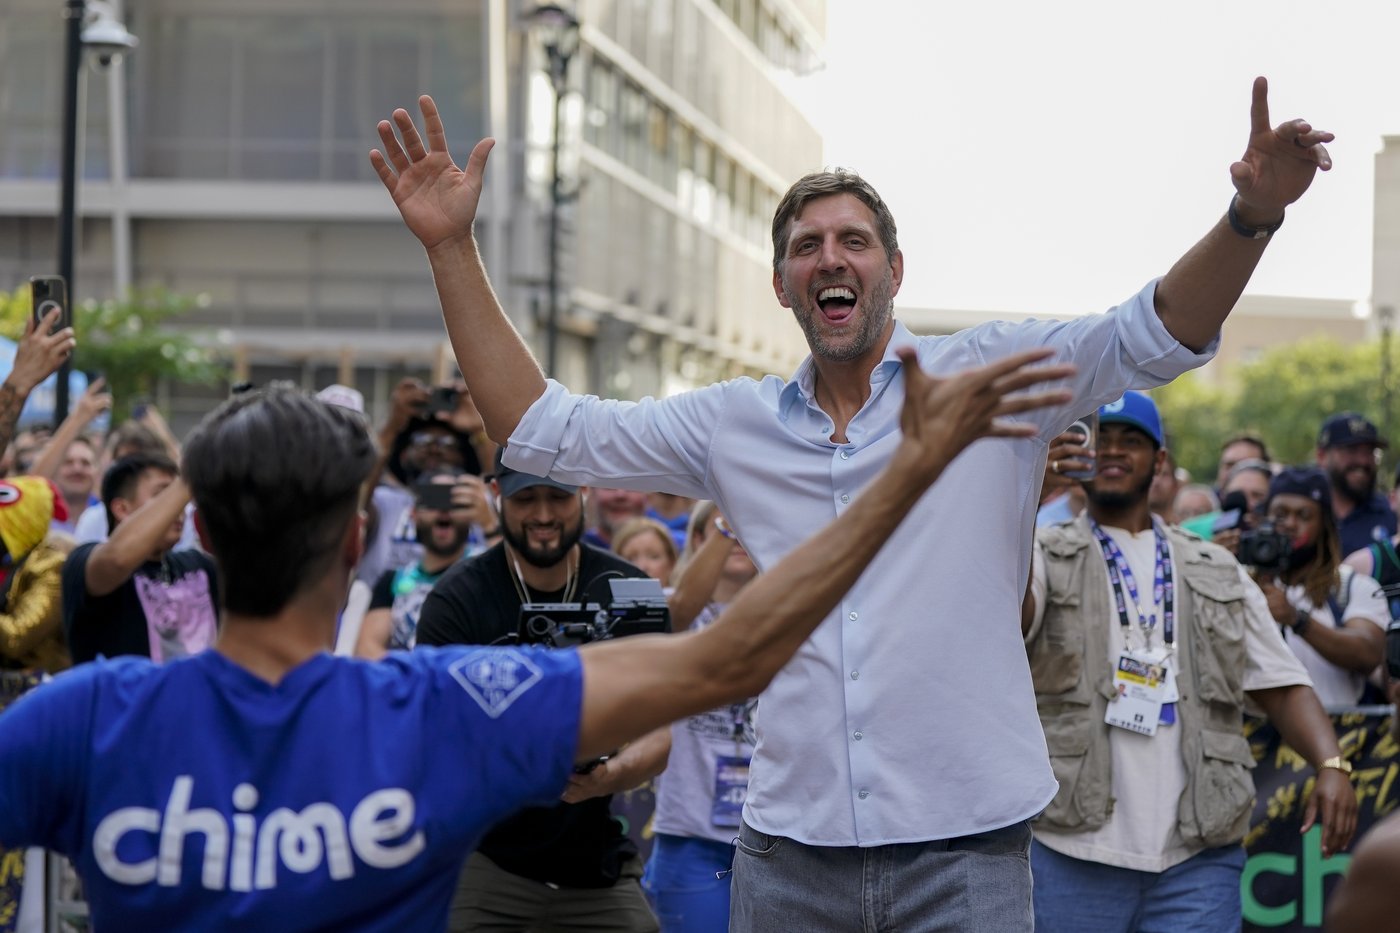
555	197
1386	313
73	13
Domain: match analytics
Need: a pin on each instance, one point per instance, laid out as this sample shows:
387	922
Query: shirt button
858	736
853	616
863	794
845	455
855	675
845	498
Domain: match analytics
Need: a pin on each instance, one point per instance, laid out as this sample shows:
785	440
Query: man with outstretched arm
267	784
847	758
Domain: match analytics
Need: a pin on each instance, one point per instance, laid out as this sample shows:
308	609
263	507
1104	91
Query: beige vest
1074	682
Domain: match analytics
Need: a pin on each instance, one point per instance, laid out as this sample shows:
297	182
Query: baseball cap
1308	482
512	481
1135	409
343	397
1348	429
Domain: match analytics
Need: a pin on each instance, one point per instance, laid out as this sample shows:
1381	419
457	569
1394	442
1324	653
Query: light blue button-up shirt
909	714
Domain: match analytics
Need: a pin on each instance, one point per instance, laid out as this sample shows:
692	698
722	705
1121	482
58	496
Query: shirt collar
801	385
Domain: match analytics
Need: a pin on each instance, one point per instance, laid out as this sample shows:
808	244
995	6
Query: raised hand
943	415
437	199
93	402
1279	162
40	353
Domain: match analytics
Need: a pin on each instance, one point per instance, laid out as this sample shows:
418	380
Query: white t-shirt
1337	686
1148	774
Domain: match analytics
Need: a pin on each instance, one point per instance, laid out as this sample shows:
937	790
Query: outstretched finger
392	149
1026	377
1031	401
1259	106
476	162
1008	364
381	168
432	125
412	142
999	427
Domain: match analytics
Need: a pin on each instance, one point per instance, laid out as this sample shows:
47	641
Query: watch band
1301	620
1246	231
1338	762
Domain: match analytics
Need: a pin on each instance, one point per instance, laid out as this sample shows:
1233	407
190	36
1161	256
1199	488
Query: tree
1197	418
126	341
1289	391
1283	397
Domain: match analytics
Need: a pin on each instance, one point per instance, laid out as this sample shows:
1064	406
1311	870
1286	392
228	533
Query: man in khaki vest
1143	642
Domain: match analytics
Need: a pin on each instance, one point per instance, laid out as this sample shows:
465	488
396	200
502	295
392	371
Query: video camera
638	607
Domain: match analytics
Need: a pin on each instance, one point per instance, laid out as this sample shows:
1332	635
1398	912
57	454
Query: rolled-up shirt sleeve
1127	347
654	445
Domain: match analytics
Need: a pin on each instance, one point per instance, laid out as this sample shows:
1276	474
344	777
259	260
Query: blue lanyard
1120	575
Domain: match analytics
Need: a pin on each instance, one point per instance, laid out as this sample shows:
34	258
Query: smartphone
48	292
436	496
442	399
1088	428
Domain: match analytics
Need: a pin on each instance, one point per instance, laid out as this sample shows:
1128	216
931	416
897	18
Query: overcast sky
1055	156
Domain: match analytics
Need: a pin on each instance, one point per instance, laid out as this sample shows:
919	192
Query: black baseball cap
1349	429
512	481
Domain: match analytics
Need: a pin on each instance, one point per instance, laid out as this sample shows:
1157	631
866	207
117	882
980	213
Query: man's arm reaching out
633	685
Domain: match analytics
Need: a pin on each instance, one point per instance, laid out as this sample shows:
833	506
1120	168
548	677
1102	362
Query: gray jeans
969	884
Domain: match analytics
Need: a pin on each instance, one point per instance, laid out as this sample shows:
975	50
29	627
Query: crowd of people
844	726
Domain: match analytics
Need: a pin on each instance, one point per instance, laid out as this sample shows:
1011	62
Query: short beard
425	538
1339	482
1118	501
543	559
879	310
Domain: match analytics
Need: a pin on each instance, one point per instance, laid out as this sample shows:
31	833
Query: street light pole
73	13
559	35
1386	314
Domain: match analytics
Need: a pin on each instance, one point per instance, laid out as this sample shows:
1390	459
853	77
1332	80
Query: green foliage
127	342
1196	418
1283	397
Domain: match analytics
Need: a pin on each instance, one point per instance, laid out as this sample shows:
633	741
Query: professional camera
1264	548
638	607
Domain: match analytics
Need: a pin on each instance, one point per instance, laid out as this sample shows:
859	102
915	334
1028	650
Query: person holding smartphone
446	506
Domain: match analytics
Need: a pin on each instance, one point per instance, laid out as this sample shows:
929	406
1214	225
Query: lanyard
1121	575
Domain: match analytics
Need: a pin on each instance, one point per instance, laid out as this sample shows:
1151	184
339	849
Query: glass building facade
227	156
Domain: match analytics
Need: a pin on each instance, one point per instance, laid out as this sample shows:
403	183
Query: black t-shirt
182	589
475	603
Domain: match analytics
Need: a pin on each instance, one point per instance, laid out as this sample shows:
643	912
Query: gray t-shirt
709	754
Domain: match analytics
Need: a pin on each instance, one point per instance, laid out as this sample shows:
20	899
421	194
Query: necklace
523	590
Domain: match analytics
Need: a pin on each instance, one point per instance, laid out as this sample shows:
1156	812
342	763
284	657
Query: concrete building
228	156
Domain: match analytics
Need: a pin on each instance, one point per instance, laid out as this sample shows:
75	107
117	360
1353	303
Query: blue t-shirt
196	796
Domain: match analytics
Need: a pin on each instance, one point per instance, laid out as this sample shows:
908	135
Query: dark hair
275	475
1254	439
136	436
470	462
823	184
123	476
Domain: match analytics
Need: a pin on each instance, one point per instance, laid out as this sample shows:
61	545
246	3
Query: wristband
1338	762
1246	231
1301	620
722	526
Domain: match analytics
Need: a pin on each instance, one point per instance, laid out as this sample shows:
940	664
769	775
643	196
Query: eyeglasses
433	439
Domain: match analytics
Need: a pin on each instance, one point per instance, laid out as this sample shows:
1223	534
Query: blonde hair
635	527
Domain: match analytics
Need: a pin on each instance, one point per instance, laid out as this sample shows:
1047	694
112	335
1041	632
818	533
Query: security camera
104	35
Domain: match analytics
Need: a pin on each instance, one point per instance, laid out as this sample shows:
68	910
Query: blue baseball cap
1135	409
